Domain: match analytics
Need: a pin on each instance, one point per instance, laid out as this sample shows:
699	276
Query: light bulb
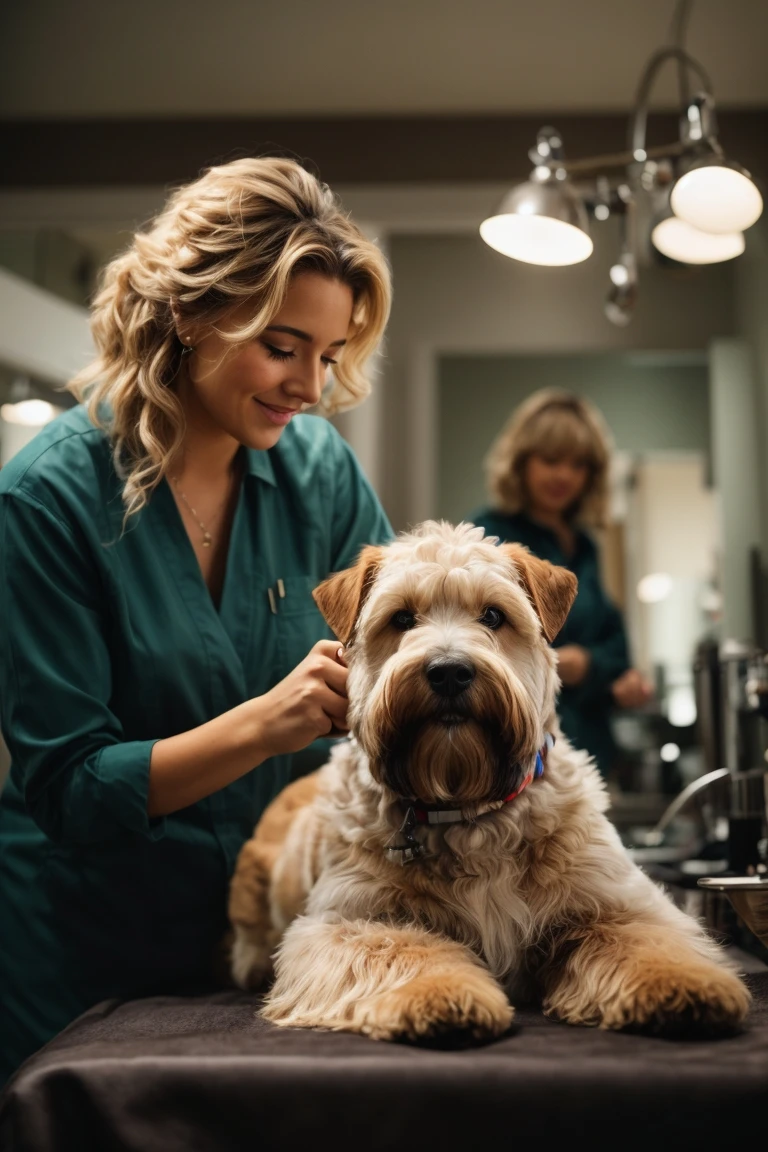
716	198
536	239
680	241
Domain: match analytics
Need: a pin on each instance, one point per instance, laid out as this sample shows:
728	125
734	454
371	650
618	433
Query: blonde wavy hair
238	233
552	423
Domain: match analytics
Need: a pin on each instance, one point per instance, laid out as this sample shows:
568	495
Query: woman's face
250	394
554	484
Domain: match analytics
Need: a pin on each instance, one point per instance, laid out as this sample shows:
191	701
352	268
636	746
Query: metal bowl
749	897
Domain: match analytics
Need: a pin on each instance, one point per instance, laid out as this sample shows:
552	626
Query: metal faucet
655	836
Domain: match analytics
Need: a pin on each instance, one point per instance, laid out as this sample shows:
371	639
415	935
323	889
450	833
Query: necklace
207	538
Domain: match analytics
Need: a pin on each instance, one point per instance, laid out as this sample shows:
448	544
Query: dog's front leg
388	982
661	976
273	875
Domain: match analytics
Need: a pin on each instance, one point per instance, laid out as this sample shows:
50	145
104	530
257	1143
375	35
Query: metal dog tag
409	849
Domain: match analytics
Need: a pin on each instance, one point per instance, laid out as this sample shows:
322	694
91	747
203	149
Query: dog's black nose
448	677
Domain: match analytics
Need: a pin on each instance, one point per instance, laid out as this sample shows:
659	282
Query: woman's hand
572	664
310	702
631	690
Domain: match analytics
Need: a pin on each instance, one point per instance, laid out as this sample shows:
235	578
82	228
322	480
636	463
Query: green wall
651	403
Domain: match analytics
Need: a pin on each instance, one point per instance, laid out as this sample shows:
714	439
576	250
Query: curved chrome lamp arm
639	121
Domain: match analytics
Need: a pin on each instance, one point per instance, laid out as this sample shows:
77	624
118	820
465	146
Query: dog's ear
342	595
550	589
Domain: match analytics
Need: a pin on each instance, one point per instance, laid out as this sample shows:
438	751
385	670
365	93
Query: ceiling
177	58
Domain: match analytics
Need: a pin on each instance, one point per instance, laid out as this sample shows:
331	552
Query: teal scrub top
109	641
594	623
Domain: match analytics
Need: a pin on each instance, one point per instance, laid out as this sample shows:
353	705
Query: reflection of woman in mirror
547	474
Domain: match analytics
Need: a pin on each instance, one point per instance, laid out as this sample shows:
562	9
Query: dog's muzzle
451	730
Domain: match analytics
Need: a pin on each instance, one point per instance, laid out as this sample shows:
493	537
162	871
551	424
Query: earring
187	340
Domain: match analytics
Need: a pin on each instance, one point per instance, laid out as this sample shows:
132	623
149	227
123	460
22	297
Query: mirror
660	555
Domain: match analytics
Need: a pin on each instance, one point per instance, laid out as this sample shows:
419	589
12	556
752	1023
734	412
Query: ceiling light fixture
681	242
712	192
543	221
704	199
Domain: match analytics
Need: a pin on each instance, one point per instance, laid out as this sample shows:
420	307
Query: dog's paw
678	1000
250	960
440	1010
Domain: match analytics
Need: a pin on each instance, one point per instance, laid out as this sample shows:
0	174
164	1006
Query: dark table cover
207	1075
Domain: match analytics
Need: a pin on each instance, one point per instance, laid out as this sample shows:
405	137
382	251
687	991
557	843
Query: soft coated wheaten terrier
452	853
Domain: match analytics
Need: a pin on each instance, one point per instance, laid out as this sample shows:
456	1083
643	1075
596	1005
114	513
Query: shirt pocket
298	621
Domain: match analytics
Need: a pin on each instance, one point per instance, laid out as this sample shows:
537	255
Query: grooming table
206	1075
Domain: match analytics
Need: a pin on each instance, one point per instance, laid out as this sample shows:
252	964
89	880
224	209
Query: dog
454	855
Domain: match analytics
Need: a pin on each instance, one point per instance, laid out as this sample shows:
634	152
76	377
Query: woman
161	657
547	474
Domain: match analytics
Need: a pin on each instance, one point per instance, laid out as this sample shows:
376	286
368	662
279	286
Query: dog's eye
403	620
492	618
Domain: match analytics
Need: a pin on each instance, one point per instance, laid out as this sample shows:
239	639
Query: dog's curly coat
534	896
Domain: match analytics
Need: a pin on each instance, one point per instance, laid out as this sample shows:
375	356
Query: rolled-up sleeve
81	781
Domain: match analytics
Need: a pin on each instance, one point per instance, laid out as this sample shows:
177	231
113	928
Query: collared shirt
110	641
594	623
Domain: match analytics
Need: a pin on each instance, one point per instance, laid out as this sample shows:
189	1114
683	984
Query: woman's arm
308	703
82	780
608	656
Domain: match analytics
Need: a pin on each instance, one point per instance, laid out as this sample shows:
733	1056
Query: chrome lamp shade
540	222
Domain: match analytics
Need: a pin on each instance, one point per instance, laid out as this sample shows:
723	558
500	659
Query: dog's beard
463	763
474	748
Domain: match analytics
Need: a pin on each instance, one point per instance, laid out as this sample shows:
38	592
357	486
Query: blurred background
422	116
